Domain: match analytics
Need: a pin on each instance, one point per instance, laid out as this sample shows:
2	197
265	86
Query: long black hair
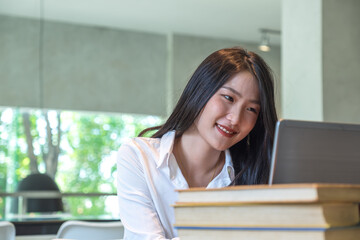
250	156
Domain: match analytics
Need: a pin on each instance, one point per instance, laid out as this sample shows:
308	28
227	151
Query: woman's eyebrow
255	101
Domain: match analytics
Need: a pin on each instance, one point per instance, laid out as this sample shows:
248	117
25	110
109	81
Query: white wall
100	69
341	59
321	60
84	68
302	60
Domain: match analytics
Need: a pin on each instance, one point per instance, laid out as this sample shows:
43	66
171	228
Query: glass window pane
76	149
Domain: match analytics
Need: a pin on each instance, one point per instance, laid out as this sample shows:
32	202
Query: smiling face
231	113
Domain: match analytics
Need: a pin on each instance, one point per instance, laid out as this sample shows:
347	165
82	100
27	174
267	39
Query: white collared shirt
147	176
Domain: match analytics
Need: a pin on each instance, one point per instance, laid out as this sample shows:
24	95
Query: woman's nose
234	116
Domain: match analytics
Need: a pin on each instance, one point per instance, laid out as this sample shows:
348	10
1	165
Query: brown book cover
277	193
337	233
267	215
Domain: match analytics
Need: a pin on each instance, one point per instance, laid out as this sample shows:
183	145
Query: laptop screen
315	152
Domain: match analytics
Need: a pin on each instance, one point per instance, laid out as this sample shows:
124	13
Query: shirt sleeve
136	208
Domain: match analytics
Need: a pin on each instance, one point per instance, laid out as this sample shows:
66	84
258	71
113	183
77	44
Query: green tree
3	153
93	139
73	148
12	158
50	150
3	168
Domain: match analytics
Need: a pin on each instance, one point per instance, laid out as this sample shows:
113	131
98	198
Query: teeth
224	130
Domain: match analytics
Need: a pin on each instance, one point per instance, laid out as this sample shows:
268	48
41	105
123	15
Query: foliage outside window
76	149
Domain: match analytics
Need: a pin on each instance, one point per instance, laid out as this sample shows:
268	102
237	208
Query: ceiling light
265	43
265	39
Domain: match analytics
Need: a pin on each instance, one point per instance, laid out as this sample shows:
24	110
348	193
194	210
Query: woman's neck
197	160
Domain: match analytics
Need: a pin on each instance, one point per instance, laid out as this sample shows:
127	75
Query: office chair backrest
7	230
39	182
83	230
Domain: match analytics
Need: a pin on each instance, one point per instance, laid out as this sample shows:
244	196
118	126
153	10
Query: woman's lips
225	131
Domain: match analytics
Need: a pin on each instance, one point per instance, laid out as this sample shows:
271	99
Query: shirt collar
229	165
166	147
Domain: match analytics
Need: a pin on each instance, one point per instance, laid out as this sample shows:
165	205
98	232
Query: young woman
220	133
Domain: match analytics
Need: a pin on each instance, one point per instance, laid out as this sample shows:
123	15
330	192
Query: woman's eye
252	110
227	97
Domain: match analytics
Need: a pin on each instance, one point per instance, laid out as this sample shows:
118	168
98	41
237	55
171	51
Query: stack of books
263	212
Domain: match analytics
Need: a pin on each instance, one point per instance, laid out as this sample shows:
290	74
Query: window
76	149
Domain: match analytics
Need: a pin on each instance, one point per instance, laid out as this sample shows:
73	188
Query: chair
7	230
39	182
83	230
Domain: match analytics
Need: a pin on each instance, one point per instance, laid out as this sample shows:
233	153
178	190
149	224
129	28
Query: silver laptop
315	152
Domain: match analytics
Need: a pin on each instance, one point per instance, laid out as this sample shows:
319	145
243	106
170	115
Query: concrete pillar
302	60
321	60
341	60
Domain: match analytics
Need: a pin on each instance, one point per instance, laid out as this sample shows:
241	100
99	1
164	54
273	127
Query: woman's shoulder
139	150
134	151
148	142
140	143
